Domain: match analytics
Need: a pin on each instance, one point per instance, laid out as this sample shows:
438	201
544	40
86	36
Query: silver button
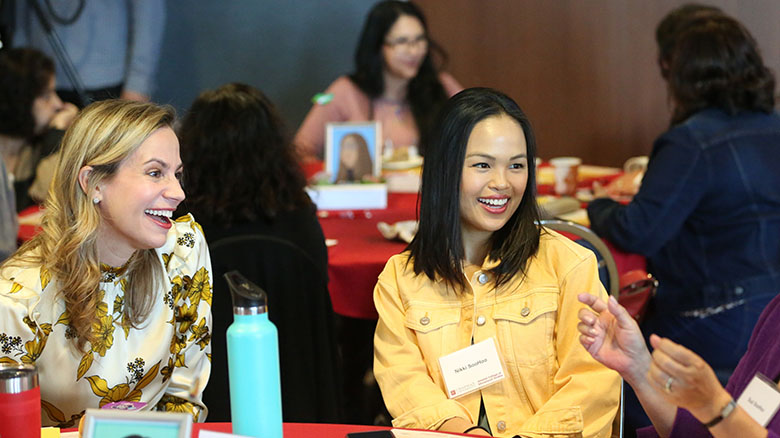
738	290
425	320
525	312
501	426
481	320
483	278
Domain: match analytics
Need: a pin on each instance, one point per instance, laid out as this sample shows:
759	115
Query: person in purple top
677	388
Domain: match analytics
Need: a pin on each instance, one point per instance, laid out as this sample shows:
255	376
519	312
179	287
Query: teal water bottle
253	363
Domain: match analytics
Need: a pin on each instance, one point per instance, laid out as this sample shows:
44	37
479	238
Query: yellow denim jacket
553	386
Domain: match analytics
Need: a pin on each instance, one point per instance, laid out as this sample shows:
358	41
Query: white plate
399	165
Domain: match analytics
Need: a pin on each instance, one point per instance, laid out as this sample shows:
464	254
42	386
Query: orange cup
565	171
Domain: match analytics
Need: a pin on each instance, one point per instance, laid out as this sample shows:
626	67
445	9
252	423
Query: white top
166	363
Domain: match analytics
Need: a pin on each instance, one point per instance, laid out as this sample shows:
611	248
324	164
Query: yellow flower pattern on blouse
122	391
120	363
58	416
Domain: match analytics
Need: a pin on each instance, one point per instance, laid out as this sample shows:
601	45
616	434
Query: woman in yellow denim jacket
480	267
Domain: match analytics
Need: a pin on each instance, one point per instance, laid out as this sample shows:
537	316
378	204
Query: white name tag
471	368
211	434
760	399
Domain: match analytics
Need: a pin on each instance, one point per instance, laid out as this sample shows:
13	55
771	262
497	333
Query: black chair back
299	305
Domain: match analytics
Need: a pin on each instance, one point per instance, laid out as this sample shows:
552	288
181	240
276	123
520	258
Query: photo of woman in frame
354	159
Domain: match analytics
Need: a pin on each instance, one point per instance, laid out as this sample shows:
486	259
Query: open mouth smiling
162	217
493	202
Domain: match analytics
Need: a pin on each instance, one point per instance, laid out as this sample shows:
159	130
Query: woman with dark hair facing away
32	118
235	132
672	25
395	82
707	215
111	299
478	270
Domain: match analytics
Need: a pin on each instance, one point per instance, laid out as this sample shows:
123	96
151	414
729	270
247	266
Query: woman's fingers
587	316
669	365
659	377
681	373
593	301
675	351
587	330
622	316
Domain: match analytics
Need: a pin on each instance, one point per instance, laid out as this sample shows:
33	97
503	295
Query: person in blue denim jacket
707	215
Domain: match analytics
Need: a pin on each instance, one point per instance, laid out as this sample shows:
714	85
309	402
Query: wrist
712	410
636	374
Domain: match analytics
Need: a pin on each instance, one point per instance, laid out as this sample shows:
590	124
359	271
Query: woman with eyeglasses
395	82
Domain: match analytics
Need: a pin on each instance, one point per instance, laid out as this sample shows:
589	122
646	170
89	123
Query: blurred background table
29	220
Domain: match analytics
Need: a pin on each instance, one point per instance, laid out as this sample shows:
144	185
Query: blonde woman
111	300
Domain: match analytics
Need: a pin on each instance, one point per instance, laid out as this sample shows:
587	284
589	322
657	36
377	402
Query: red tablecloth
26	232
361	253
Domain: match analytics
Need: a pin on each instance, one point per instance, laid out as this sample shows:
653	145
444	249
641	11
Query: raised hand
613	338
684	379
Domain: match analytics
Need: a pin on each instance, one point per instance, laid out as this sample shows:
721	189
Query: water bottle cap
16	378
248	298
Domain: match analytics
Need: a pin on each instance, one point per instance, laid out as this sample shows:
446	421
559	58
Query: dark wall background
290	49
584	71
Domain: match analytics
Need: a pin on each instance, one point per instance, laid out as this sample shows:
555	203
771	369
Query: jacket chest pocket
436	330
525	327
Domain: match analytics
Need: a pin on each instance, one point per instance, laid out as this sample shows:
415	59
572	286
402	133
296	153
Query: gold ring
668	386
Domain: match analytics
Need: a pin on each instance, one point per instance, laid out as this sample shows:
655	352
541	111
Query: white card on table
212	434
471	368
760	399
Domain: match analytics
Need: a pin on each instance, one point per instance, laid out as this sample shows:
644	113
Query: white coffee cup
636	164
565	171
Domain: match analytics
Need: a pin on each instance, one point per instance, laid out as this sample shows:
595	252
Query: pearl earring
96	200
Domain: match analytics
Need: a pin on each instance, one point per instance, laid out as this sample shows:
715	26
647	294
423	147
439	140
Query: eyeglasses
408	43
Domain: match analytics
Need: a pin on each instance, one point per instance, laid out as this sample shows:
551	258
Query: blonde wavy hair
102	136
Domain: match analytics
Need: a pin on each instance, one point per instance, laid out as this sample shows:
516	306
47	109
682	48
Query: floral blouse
165	363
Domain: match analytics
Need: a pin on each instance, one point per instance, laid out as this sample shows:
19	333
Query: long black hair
425	92
238	159
716	64
437	248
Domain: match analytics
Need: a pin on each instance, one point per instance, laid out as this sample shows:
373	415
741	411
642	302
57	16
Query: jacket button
483	278
481	320
738	290
501	426
525	312
425	320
